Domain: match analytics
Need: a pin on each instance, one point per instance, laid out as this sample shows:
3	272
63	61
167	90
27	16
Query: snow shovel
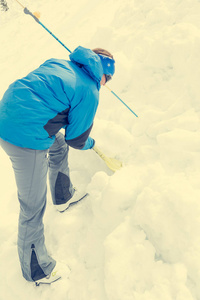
112	163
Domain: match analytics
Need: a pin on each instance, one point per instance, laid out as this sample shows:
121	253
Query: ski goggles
108	77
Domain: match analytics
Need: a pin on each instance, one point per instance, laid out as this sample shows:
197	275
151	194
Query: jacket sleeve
80	122
81	141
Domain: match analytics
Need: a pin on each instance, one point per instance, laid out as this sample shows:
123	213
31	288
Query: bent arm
80	121
82	142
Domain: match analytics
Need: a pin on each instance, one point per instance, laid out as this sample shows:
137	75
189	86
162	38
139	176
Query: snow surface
137	236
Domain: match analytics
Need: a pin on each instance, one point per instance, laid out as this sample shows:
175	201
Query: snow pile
137	235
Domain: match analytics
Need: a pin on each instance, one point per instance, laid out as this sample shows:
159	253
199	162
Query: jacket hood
89	61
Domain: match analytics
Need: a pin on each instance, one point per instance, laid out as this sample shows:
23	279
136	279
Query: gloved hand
89	144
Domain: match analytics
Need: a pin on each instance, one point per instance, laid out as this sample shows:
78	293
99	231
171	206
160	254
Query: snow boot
52	277
78	196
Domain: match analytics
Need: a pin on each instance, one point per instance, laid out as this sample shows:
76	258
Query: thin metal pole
121	100
26	11
20	4
54	36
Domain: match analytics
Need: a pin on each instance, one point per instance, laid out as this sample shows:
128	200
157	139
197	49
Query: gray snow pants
30	168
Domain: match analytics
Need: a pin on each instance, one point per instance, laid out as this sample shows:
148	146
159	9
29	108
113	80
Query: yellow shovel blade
112	163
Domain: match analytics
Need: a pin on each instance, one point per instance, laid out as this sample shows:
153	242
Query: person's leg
59	179
30	167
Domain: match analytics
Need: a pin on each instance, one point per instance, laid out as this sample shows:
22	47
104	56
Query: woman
59	94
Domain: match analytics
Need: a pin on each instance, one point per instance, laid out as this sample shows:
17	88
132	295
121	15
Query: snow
137	236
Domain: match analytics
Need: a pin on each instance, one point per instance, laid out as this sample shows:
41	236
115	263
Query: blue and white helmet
108	64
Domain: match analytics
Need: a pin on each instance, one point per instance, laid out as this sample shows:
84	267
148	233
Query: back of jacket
59	94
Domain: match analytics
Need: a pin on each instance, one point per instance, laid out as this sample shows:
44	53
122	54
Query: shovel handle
99	152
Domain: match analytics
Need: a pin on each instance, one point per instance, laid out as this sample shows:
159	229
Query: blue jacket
59	94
